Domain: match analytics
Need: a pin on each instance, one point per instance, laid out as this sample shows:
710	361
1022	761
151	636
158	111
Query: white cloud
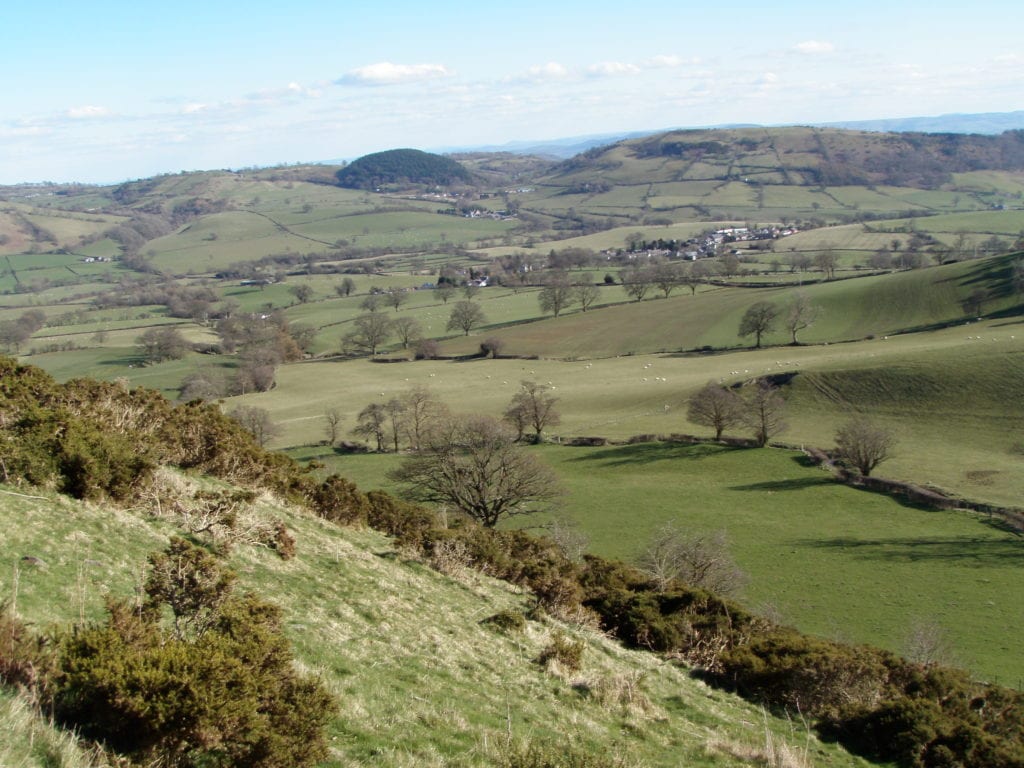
550	71
612	69
194	109
386	73
87	111
814	47
663	62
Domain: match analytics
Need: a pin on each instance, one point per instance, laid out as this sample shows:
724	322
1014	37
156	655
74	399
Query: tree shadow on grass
645	453
958	550
789	484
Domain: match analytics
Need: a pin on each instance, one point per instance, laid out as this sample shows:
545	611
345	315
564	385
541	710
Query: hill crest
402	167
807	156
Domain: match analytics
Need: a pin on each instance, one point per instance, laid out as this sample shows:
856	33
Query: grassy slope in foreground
420	681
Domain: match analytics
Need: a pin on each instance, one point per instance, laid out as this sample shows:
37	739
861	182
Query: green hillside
849	310
421	681
382	623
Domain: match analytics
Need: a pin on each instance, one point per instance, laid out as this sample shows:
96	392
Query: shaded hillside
402	167
812	156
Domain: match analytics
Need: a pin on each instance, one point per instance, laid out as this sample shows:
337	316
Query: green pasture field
833	560
799	198
407	229
213	242
829	559
1007	223
851	309
110	362
958	437
852	237
70	229
420	679
734	194
992	181
59	298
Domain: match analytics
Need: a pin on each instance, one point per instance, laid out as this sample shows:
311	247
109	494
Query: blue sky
106	91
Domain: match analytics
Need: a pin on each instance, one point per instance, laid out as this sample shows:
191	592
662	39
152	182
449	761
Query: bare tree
715	406
974	304
556	295
880	259
928	643
302	292
257	421
395	409
492	346
332	419
585	293
863	444
1017	276
637	282
666	276
408	330
699	560
423	411
346	287
444	291
371	422
370	332
371	303
764	410
693	275
827	262
159	344
534	406
396	297
474	465
800	314
758	320
466	316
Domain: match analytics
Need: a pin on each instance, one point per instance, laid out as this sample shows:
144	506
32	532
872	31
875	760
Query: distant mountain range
984	123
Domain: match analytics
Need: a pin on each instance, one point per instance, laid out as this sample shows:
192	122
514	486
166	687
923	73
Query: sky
105	91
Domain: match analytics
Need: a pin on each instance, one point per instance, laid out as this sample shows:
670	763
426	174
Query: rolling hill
402	167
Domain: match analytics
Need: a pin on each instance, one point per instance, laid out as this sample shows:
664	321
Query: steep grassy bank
420	680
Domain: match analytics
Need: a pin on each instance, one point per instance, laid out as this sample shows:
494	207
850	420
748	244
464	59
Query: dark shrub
566	652
338	500
408	523
806	674
219	690
283	542
94	463
506	621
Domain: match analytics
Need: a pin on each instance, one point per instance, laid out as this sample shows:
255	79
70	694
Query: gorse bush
563	651
880	705
506	621
216	689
